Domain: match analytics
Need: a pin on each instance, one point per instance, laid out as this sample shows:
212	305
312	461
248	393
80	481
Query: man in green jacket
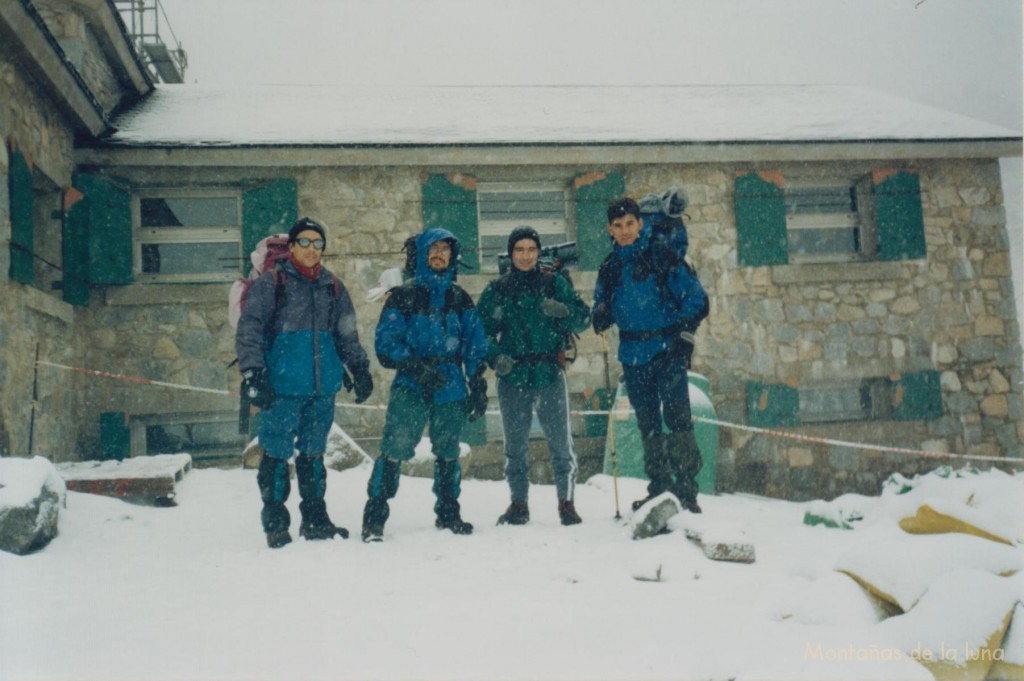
527	315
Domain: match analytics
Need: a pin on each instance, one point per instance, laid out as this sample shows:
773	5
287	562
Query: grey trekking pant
552	404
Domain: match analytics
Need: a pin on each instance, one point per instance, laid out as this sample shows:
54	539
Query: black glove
601	319
256	388
554	309
682	347
476	403
363	384
430	378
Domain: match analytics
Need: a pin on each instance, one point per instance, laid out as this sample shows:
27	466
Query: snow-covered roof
198	116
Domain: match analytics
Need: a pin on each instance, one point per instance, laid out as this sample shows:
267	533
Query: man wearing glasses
295	339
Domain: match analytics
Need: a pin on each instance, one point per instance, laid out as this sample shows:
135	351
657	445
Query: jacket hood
423	243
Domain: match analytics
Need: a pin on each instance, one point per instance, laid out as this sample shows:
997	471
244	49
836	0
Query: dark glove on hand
363	384
476	403
601	319
554	309
682	347
503	365
430	378
256	388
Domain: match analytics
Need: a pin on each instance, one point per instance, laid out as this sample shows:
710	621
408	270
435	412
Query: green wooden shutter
75	248
898	215
772	404
916	396
449	202
594	191
115	436
268	209
108	218
761	220
22	197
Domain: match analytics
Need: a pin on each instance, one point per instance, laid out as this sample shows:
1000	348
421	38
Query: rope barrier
781	434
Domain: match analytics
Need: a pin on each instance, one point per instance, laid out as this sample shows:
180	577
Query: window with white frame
503	206
208	435
828	220
189	236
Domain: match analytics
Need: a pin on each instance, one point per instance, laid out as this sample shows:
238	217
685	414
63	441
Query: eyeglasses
318	244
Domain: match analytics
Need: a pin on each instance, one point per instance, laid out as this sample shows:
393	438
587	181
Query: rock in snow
31	496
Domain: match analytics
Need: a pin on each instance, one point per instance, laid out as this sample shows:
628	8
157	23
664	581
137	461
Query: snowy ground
191	592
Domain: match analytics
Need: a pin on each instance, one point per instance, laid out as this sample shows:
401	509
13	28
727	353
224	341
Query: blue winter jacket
305	341
639	307
416	324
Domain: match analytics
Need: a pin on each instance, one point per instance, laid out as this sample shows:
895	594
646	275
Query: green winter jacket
510	309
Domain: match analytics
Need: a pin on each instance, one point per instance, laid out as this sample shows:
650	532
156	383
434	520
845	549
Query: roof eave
601	153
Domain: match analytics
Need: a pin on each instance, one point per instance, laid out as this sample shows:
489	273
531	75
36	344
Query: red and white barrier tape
702	419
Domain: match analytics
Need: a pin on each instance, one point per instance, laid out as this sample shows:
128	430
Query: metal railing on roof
148	26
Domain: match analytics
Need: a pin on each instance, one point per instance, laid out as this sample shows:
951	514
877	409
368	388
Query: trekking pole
611	425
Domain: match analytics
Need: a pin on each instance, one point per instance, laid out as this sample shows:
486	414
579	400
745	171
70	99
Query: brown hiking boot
518	513
567	512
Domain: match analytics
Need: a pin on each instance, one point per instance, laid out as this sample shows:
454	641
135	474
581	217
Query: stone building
853	245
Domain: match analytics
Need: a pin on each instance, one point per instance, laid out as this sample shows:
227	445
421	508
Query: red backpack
265	258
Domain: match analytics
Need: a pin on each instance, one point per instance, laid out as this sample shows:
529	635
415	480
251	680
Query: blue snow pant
408	414
296	422
551	402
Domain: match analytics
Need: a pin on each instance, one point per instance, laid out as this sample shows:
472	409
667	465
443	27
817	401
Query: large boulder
31	495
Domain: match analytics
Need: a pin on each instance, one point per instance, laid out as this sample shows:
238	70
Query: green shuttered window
909	396
268	209
451	202
22	197
760	222
828	217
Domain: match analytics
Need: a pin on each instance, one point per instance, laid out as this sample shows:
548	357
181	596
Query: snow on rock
422	463
1011	664
899	568
342	451
651	518
957	628
834	600
31	495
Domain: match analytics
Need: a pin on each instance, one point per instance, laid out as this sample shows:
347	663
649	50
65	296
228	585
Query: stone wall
32	319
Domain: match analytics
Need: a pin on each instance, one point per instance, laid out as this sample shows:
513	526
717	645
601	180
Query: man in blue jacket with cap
430	332
296	335
657	302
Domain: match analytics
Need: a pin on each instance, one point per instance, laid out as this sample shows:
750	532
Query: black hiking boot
454	523
312	532
689	505
375	514
518	513
640	502
567	513
278	538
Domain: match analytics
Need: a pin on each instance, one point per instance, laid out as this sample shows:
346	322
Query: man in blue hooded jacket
657	303
429	331
296	334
